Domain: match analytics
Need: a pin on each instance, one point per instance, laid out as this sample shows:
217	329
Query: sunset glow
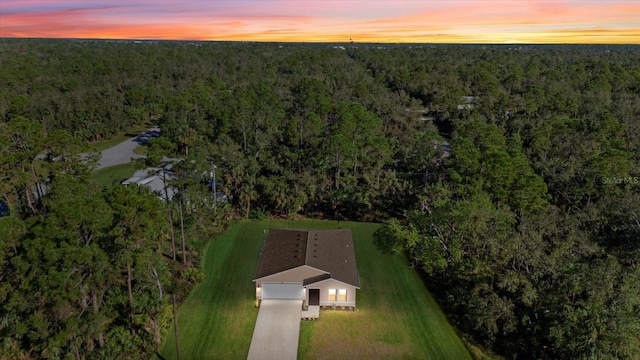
419	21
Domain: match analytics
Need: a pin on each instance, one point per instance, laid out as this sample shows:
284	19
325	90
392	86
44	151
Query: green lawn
141	150
396	316
113	174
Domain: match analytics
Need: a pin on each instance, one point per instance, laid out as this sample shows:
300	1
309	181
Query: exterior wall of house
324	287
296	275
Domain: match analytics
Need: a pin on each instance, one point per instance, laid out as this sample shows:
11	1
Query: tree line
87	271
530	242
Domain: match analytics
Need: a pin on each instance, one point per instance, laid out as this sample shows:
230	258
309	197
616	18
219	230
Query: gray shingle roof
327	250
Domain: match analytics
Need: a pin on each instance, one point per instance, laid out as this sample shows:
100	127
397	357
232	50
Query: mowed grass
216	320
141	150
113	174
397	318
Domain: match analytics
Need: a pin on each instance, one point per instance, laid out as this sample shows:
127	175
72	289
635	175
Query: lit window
332	294
342	295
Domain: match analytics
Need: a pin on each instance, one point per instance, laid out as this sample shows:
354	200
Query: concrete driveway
123	152
277	329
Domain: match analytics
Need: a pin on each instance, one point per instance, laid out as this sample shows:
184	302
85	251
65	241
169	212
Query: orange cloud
473	21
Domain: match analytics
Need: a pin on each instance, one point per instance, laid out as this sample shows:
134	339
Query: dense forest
508	175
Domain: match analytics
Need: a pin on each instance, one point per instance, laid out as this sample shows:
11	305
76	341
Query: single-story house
154	179
316	266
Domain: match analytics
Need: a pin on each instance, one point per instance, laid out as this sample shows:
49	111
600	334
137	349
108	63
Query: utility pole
184	250
166	195
215	191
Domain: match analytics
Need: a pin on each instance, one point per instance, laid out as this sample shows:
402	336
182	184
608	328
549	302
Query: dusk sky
425	21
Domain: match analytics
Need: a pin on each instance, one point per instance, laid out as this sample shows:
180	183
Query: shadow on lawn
386	245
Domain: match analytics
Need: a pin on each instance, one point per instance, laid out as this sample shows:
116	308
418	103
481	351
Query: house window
337	294
342	294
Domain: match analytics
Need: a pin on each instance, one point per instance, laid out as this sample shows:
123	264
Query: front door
314	296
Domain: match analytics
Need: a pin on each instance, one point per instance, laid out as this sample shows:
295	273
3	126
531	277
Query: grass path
396	317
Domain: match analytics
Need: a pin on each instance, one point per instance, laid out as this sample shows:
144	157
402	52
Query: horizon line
348	42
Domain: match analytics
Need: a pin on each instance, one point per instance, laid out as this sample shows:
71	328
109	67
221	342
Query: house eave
288	270
342	282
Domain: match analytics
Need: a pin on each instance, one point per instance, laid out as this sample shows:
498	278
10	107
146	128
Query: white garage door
282	291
